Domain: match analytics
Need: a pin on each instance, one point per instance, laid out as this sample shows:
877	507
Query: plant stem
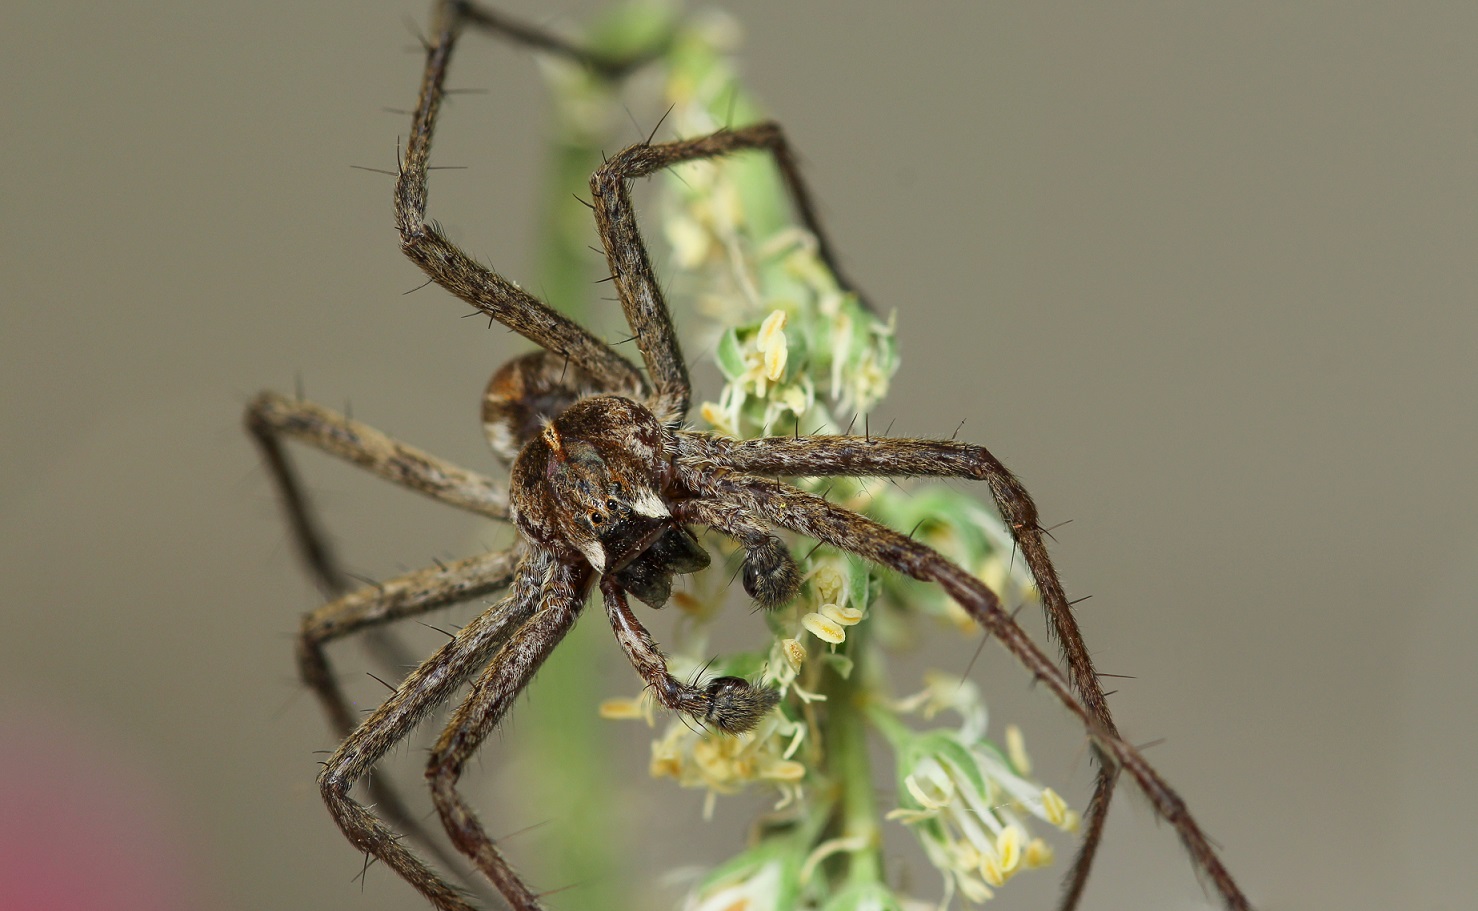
846	746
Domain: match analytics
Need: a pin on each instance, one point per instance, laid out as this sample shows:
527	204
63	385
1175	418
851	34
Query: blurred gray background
1203	275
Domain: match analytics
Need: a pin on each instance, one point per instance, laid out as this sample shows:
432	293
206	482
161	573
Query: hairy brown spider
604	485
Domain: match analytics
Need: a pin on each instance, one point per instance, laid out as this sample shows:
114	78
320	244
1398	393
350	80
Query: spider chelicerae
605	484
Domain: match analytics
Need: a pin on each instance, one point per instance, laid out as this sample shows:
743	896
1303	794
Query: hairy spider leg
641	298
271	418
479	286
428	686
406	596
730	704
770	575
626	255
560	597
870	456
814	517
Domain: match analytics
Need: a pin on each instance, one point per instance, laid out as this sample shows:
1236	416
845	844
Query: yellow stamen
823	629
623	709
845	616
1016	749
1054	807
1008	846
795	653
1038	854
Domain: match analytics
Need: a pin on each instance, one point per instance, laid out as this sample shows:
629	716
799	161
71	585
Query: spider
604	486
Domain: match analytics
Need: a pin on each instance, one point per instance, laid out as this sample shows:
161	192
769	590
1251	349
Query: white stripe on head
594	553
649	505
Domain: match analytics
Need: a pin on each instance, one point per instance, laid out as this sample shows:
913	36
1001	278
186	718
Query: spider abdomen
526	393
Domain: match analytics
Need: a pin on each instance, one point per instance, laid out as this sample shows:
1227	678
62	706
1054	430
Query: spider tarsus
735	705
770	574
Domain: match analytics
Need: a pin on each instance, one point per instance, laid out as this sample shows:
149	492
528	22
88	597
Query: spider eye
612	505
596	518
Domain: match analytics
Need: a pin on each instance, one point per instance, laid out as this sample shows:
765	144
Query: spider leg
869	456
540	39
271	417
556	605
814	517
407	596
636	284
730	704
455	271
771	577
428	686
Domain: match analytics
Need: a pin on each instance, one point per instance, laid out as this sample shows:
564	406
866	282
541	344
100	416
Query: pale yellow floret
974	890
797	398
689	240
823	629
781	770
718	419
1055	808
775	357
795	653
845	616
1008	847
773	348
667	756
1038	854
947	692
991	872
932	792
771	329
994	573
829	583
1016	750
728	206
625	709
728	764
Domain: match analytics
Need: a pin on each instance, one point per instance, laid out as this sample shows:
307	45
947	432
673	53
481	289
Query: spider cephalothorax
591	483
604	487
592	479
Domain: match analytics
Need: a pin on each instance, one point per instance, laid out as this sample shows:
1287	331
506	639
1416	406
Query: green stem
846	745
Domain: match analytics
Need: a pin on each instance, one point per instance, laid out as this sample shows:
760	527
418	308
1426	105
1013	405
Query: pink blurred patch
82	830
